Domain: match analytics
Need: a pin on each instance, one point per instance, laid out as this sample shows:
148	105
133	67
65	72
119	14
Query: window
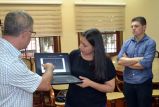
0	28
42	44
47	24
47	17
110	19
112	41
103	17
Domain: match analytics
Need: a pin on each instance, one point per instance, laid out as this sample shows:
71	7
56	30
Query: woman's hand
85	82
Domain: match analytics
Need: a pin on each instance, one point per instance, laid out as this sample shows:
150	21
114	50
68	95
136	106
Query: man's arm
123	59
108	86
147	60
46	77
136	66
126	61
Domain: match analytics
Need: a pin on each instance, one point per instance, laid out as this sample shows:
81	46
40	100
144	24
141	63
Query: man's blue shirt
145	48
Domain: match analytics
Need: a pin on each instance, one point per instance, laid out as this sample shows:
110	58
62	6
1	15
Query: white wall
148	9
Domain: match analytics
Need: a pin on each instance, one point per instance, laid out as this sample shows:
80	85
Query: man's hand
46	77
48	66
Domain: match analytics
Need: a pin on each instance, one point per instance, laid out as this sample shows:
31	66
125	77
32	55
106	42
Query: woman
94	68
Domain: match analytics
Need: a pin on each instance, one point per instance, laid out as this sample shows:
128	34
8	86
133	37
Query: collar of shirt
10	48
143	39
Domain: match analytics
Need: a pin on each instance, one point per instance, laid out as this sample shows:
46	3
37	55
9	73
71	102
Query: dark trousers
138	95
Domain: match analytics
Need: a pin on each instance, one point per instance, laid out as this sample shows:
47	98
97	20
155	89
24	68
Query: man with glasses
17	82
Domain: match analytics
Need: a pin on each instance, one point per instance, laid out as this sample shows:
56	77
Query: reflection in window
110	42
46	44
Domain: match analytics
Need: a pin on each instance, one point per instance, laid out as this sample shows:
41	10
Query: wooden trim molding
30	2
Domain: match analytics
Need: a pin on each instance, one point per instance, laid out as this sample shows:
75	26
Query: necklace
88	57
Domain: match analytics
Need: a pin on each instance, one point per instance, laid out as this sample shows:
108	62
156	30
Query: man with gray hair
17	82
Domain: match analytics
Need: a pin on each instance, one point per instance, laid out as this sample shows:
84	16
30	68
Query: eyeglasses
32	33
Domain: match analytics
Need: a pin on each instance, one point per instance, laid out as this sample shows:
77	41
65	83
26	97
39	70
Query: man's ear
23	34
144	27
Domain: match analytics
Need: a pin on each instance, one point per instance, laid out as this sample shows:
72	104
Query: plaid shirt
17	82
144	48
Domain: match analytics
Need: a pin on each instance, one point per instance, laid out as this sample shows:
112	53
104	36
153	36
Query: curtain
103	17
47	17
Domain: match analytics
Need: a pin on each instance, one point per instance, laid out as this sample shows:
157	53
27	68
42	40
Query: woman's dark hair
94	37
140	19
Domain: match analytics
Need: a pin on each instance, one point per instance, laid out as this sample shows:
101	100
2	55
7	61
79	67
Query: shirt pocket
140	54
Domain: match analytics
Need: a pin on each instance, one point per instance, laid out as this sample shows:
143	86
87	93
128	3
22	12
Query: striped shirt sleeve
20	76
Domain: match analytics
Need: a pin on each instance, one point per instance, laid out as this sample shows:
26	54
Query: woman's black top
86	97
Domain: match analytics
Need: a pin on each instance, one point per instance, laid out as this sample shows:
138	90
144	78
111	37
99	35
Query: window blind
47	17
103	17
